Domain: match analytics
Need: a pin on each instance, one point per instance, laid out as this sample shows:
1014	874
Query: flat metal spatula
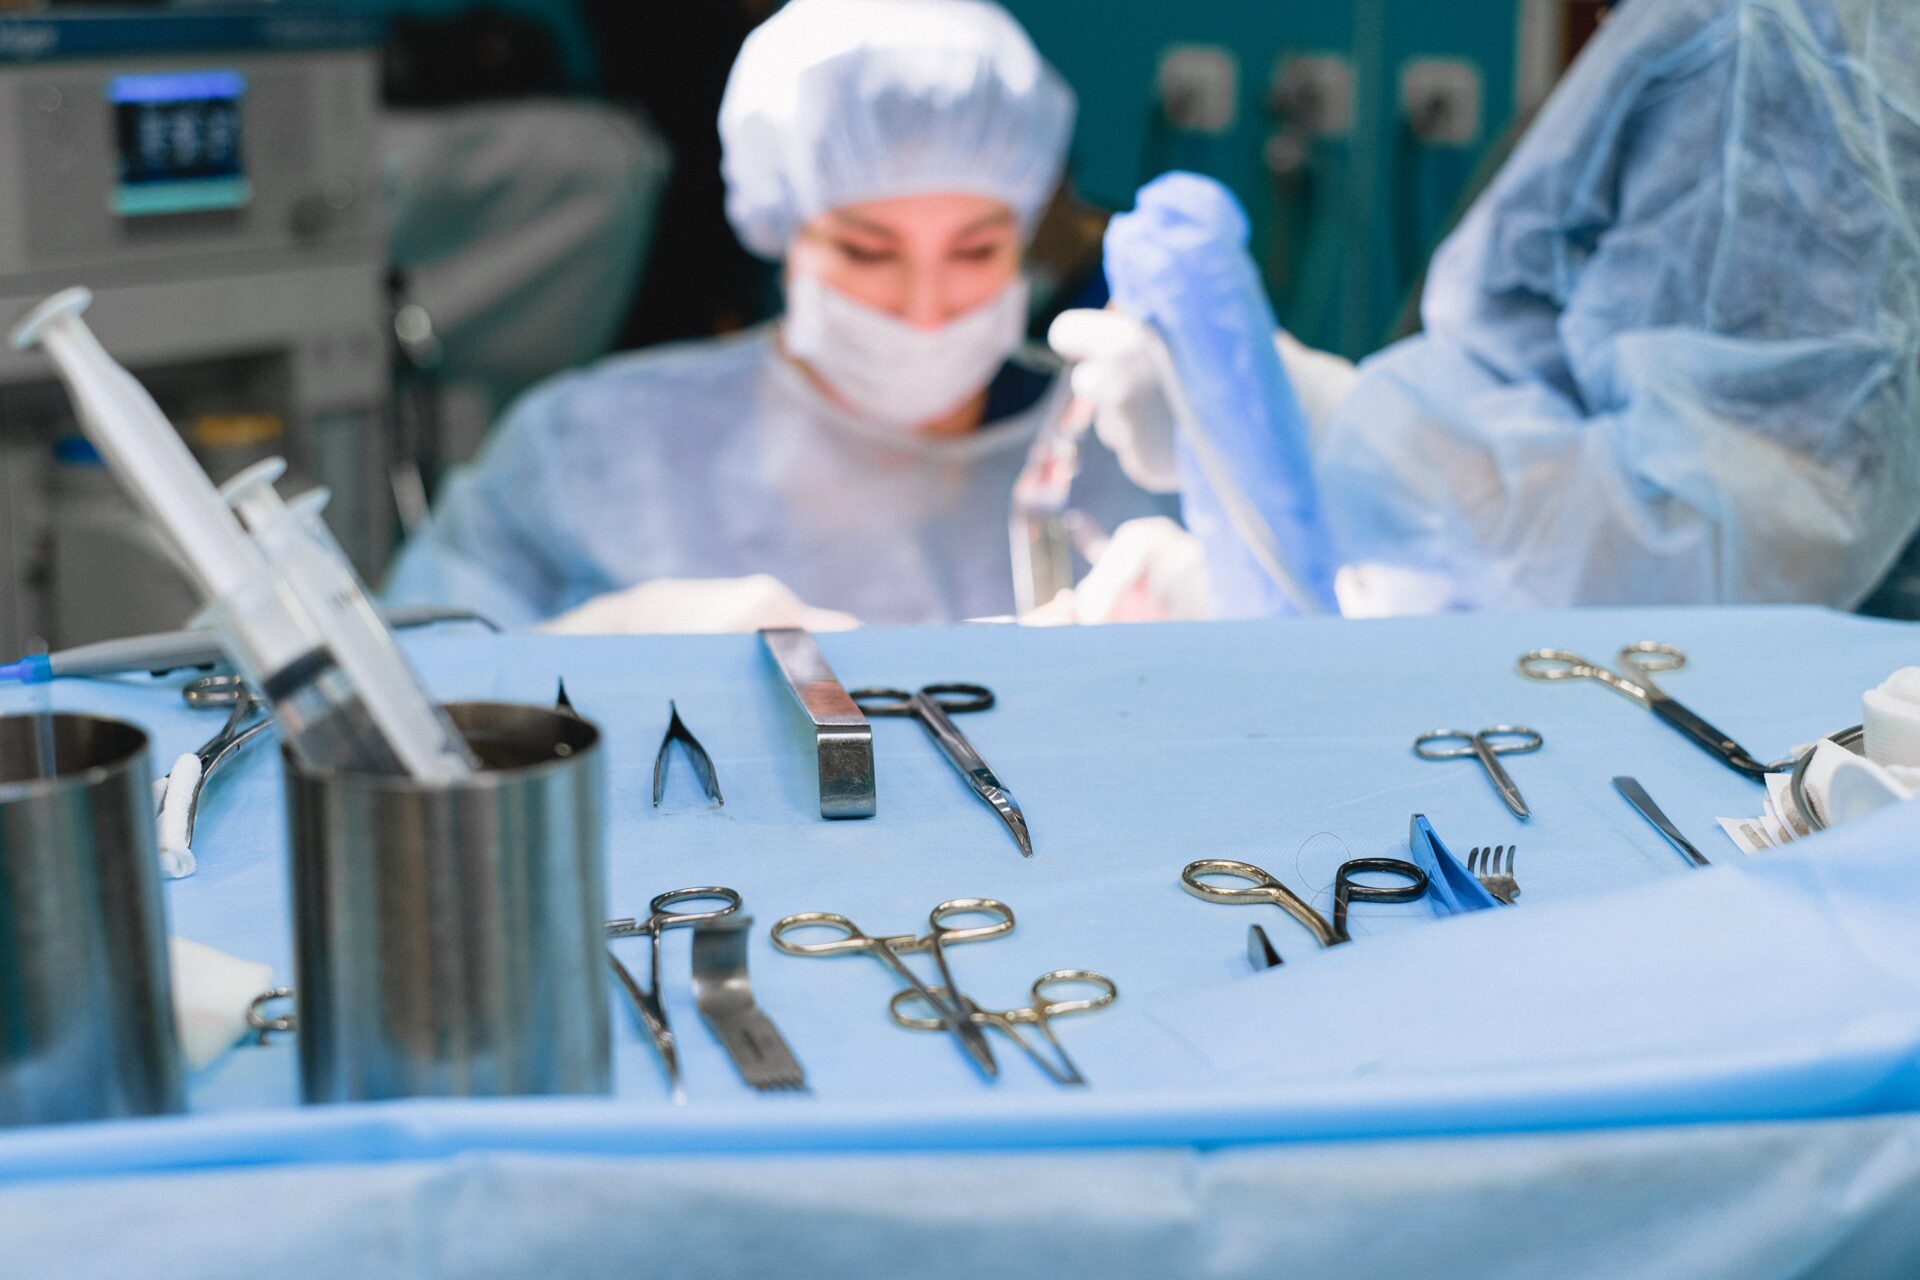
725	997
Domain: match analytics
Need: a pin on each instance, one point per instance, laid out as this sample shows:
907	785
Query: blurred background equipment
215	178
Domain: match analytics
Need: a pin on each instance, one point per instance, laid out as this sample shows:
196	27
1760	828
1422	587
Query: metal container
86	1009
450	940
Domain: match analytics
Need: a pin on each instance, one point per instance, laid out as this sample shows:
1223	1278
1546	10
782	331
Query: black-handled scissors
934	707
1347	887
1645	659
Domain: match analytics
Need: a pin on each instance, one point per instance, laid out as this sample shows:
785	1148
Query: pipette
292	614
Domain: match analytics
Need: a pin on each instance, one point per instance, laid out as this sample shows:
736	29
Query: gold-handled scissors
1641	661
951	1007
1263	888
1038	1013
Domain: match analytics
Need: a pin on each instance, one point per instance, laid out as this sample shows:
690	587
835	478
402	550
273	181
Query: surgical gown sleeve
498	536
1673	354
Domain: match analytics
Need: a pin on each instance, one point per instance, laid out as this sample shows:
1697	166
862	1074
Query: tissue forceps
647	1003
1346	888
1641	661
1039	1013
934	706
1487	746
952	1008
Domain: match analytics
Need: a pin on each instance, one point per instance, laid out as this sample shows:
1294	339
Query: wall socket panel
1199	87
1440	98
1314	93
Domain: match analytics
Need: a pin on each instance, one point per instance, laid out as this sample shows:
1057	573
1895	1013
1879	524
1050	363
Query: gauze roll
1891	715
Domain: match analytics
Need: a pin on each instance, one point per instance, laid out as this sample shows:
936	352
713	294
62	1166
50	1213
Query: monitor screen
179	142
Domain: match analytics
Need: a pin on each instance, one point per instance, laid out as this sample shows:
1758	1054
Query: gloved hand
688	605
1113	372
1151	570
1178	262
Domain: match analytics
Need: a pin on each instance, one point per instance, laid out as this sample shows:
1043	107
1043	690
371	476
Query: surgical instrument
181	788
951	1007
1485	863
843	739
1643	660
1636	795
725	996
1347	888
194	648
1041	540
934	706
697	756
1486	746
1039	1013
647	1003
561	702
1455	889
1261	953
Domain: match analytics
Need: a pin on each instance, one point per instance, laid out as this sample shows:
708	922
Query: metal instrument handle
1423	746
942	933
1044	1007
1523	739
1559	664
1265	890
1347	889
664	919
851	939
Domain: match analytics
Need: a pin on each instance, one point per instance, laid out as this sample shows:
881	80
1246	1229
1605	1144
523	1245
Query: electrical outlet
1199	87
1313	93
1440	98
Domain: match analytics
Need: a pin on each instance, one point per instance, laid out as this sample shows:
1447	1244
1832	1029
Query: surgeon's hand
1151	570
1113	372
688	605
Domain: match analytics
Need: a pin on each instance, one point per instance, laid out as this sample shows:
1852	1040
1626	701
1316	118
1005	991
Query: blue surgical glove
1178	262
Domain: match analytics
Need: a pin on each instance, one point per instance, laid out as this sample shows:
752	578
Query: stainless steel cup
86	1009
450	940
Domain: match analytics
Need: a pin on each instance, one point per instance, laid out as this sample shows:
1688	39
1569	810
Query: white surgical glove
1132	416
1113	372
686	605
1151	570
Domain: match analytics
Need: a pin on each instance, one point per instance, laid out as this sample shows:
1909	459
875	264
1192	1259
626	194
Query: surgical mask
890	372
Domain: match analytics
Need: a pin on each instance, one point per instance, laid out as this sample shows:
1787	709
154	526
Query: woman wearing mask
859	453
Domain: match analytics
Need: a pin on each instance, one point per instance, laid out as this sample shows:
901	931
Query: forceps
952	1010
1643	660
1487	746
647	1003
1346	888
1039	1012
934	706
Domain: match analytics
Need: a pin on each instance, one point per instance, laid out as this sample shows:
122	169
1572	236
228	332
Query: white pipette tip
68	302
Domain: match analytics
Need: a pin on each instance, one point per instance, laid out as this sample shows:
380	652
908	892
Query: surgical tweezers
697	756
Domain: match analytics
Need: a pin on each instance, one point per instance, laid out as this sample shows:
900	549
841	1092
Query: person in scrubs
854	459
1671	356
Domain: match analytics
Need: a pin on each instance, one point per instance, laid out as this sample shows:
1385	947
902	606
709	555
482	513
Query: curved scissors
934	707
952	1009
1487	746
1039	1012
1645	659
647	1003
1346	887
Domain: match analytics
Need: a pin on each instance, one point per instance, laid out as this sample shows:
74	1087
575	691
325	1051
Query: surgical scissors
1039	1012
1346	888
934	706
1487	746
653	1013
1643	660
951	1007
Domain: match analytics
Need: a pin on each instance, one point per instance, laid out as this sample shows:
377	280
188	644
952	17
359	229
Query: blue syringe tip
32	669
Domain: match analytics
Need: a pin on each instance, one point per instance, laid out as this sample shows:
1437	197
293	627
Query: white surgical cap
832	102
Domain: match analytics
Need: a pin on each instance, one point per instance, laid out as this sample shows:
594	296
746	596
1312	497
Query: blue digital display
179	137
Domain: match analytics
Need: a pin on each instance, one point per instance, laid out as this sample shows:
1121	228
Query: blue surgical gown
1673	353
718	459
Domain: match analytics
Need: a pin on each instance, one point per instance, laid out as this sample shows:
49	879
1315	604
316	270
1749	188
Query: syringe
293	616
